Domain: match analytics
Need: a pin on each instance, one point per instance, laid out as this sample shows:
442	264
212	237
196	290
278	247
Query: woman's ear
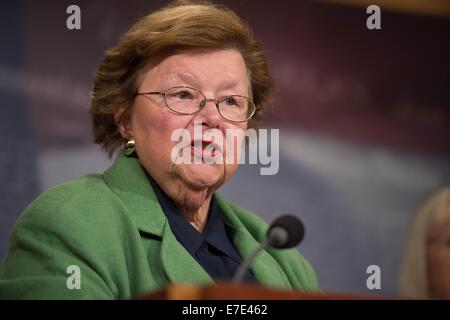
123	123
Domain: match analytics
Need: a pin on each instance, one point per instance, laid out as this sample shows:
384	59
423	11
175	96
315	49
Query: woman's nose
209	113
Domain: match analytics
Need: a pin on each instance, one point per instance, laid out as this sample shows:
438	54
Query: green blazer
113	229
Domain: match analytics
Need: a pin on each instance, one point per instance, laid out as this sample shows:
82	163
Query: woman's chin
200	176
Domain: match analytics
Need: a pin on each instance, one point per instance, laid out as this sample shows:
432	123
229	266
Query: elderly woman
149	221
425	272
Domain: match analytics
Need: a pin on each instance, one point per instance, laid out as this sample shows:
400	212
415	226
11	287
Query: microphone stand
239	275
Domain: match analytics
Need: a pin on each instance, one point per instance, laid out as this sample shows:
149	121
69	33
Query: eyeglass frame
204	101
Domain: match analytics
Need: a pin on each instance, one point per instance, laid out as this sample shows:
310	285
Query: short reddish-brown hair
181	25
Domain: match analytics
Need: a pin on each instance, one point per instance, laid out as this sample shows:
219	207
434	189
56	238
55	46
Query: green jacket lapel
178	263
265	268
129	182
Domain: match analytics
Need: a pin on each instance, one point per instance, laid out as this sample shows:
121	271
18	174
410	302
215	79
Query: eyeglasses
185	100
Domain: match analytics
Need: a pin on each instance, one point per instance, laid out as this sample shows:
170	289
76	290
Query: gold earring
128	148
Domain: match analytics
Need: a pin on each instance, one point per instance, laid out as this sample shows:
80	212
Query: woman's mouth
205	149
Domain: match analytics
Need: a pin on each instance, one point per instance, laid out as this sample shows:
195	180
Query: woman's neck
192	204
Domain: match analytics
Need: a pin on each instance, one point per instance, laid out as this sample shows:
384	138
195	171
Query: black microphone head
285	232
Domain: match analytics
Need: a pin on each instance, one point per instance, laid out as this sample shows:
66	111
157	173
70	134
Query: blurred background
363	117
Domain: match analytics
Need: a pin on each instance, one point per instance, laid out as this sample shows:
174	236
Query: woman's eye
230	101
183	95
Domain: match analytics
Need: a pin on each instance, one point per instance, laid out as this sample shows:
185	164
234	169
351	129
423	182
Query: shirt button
204	247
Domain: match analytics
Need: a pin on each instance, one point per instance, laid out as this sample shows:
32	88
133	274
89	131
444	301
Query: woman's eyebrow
183	76
191	79
229	84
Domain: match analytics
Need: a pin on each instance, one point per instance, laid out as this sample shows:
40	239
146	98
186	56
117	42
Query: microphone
285	232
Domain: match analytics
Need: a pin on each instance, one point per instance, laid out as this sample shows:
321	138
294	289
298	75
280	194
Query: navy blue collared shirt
212	249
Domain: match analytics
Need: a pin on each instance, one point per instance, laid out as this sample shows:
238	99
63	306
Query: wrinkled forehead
218	69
